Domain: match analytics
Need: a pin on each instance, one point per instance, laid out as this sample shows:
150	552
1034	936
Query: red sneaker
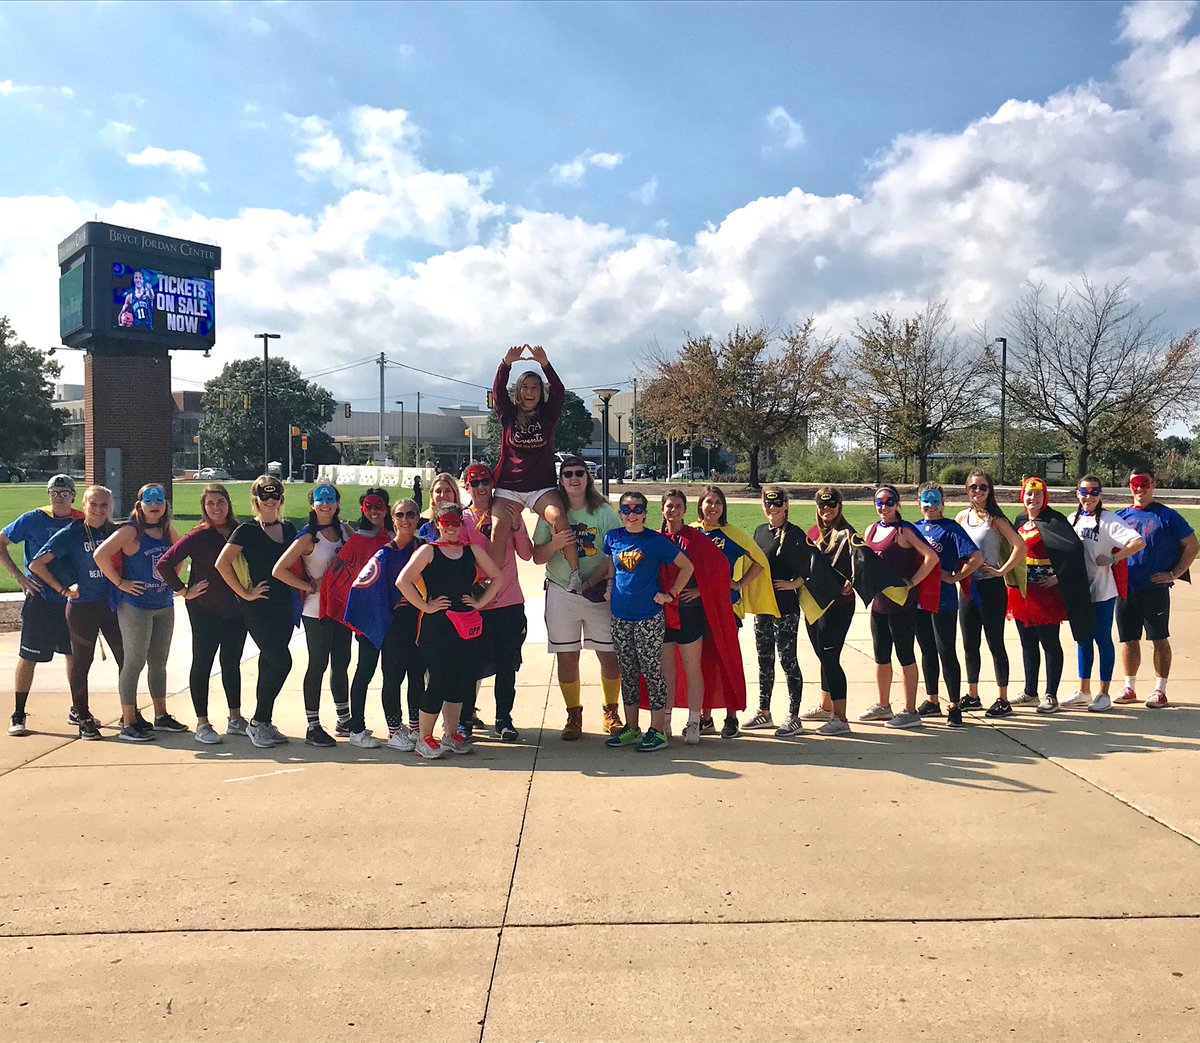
1158	701
1128	695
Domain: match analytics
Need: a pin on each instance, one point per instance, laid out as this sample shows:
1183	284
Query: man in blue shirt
1171	547
44	614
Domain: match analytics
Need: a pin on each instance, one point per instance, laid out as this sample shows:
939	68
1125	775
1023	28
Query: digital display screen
159	302
70	301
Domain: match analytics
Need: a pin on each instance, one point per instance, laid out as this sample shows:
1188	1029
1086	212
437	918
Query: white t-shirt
1111	535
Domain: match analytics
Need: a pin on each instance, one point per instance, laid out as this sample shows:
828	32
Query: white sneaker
574	583
1100	704
1023	699
207	734
691	733
834	726
817	713
260	735
906	719
429	748
878	712
364	740
1076	698
402	741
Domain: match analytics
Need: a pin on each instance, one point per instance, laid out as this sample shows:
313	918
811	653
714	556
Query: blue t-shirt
73	548
952	544
636	559
34	529
732	550
1162	528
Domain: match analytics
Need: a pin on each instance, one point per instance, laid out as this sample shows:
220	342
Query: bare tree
751	390
1091	365
911	382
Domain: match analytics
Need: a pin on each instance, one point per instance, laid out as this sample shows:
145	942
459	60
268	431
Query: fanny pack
468	624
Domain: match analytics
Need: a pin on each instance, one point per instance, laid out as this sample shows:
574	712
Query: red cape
720	655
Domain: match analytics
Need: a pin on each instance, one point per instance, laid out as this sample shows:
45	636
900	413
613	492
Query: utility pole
266	338
382	363
633	431
420	463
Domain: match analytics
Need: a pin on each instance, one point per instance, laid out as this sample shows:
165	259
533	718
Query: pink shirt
520	545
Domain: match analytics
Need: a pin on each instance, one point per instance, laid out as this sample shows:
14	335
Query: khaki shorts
569	615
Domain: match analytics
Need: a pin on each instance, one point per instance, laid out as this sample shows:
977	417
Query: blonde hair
445	476
91	492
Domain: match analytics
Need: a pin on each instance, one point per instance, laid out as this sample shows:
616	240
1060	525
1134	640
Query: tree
1089	364
912	382
28	421
232	430
755	389
573	432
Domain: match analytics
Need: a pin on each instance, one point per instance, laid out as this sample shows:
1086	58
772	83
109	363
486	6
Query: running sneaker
74	718
429	748
89	730
143	725
1076	698
574	583
970	702
627	736
342	728
999	708
506	732
906	719
760	720
708	726
878	712
167	723
834	726
318	736
277	737
477	722
930	708
364	740
730	729
573	729
401	740
790	728
466	730
1100	703
817	713
17	725
260	735
954	716
236	726
1128	695
1158	701
132	733
1023	699
691	733
455	743
1049	704
612	719
651	741
207	734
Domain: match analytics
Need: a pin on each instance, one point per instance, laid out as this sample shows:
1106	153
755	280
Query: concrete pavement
1030	879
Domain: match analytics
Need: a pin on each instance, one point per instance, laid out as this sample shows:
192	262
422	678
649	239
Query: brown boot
573	729
612	719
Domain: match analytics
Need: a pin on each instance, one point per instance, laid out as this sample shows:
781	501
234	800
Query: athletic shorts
526	500
692	625
568	615
44	630
1148	608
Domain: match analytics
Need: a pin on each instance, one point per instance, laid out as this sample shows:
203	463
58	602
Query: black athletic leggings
328	647
987	617
1035	640
271	630
504	632
86	620
828	636
401	658
937	634
212	634
897	629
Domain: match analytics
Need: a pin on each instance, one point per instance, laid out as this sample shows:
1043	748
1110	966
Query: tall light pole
401	405
605	395
620	455
1003	342
266	339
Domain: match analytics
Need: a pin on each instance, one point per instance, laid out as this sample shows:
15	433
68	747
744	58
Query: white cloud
1153	21
116	133
788	133
646	192
573	171
180	160
9	87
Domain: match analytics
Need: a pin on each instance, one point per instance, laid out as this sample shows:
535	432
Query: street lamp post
266	339
1003	342
400	403
620	455
605	395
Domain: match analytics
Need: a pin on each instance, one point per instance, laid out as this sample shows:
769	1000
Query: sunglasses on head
577	472
407	514
885	501
633	508
475	483
1088	490
271	492
154	495
976	488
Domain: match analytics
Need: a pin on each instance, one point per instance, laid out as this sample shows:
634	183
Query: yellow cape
758	598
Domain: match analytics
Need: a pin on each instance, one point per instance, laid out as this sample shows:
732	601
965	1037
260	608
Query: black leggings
86	620
401	658
1035	640
271	629
328	646
988	617
894	628
452	663
937	634
828	636
504	631
212	634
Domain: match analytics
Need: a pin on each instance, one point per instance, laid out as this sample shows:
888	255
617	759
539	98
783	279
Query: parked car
647	471
11	473
689	474
212	474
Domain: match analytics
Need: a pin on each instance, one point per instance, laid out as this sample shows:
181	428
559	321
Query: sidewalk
1037	878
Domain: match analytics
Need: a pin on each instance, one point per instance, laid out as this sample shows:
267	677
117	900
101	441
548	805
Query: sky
438	181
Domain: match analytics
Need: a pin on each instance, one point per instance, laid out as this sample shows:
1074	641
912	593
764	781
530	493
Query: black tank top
451	577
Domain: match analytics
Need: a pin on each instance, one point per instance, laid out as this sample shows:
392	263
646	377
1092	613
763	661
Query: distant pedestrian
416	491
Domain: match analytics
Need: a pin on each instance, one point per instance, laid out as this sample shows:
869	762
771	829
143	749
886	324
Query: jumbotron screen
159	302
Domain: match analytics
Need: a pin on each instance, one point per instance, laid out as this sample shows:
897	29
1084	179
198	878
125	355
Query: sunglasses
1084	490
475	483
979	488
577	473
885	501
633	508
270	493
154	496
401	515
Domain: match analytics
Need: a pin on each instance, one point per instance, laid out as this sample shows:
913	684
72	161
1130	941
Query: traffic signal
348	410
304	441
295	431
491	400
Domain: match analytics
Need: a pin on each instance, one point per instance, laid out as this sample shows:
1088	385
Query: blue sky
438	180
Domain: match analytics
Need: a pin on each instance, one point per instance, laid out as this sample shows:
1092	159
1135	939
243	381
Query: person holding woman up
450	624
302	567
217	623
525	473
1106	541
1056	589
146	610
589	517
66	564
982	610
937	629
893	623
245	564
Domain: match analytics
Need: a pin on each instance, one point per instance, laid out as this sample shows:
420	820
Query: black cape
1065	551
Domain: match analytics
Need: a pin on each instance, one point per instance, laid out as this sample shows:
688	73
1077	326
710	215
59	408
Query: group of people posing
434	602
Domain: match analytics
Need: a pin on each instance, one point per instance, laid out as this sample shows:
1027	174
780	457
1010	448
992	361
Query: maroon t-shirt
202	545
527	456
